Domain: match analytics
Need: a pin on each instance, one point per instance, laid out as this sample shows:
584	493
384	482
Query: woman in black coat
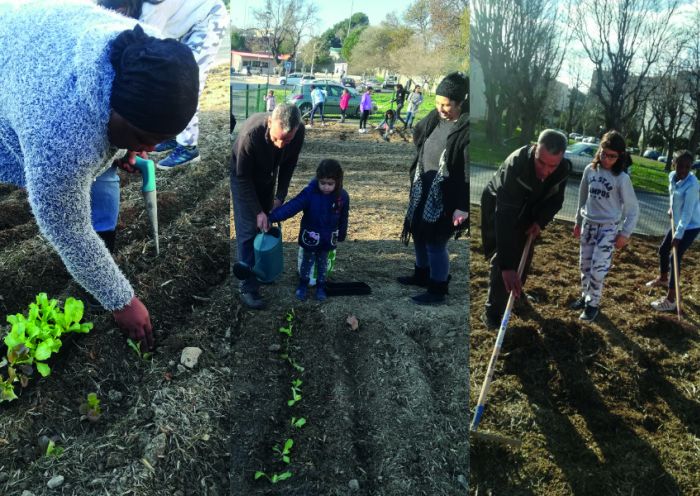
439	196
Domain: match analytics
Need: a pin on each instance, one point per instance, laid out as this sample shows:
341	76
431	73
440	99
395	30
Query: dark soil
611	407
385	404
164	430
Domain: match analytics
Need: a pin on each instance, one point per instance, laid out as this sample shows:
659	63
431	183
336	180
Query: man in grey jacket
520	200
265	154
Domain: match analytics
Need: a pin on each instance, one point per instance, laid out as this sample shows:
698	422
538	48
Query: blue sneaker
181	155
302	289
321	294
166	145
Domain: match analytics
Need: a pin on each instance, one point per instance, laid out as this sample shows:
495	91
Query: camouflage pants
597	246
203	39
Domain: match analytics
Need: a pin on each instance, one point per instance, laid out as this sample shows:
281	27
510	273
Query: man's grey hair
553	141
287	115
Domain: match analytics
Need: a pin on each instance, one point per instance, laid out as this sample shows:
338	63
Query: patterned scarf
432	210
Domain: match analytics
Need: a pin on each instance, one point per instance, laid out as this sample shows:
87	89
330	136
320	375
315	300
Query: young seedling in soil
296	392
298	422
34	338
52	450
283	453
274	478
91	408
137	349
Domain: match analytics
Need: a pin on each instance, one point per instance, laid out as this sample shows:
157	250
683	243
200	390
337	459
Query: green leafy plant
91	408
136	346
274	478
289	318
298	422
296	392
33	338
284	452
52	450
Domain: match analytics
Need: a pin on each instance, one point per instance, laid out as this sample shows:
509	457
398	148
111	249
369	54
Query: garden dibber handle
674	251
481	404
148	172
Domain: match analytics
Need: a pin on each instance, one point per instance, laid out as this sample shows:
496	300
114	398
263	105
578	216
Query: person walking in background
438	199
344	103
684	193
263	160
400	98
199	24
318	98
270	101
365	109
606	198
414	101
324	224
519	201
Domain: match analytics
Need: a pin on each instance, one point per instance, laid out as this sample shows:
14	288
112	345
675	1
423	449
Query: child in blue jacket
325	222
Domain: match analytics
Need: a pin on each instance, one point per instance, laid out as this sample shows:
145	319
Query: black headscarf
455	86
156	82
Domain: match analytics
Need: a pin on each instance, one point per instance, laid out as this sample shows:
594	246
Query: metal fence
247	98
653	208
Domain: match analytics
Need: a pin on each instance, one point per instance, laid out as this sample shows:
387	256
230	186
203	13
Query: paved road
653	219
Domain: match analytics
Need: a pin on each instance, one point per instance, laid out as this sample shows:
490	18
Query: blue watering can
267	247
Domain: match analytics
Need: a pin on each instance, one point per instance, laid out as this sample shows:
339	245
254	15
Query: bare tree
283	21
301	16
693	81
624	40
667	104
418	16
518	46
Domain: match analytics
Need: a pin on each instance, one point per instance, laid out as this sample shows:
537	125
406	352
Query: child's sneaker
664	305
181	155
579	304
302	289
321	292
657	283
589	313
166	145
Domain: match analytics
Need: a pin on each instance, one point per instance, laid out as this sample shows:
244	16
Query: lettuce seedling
285	451
274	478
91	408
137	349
298	422
33	338
53	450
296	392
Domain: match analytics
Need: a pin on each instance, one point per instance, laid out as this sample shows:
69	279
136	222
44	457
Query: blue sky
329	11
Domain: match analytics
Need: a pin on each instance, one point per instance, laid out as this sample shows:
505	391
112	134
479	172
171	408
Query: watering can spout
148	171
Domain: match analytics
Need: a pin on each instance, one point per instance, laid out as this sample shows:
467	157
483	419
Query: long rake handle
481	404
676	282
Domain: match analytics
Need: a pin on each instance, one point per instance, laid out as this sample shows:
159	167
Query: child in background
414	101
386	127
365	108
685	202
344	102
606	197
318	98
325	222
270	102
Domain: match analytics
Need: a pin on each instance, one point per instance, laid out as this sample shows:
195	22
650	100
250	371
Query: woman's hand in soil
511	281
128	161
262	222
134	320
577	231
621	241
459	216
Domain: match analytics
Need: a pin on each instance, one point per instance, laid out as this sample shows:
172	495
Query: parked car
390	82
301	97
662	159
651	154
574	136
580	154
371	83
590	139
633	150
349	82
295	78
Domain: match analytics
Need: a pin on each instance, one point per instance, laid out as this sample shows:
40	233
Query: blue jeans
409	119
435	257
319	107
104	199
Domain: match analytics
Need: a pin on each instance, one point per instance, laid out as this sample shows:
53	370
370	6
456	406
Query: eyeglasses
613	156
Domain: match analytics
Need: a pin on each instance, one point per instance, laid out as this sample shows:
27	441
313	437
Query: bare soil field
385	405
164	430
608	408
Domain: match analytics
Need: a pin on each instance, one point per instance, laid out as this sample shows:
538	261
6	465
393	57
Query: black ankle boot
420	277
435	294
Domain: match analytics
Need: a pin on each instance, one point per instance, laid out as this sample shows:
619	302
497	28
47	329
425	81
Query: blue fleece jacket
684	196
56	81
325	219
